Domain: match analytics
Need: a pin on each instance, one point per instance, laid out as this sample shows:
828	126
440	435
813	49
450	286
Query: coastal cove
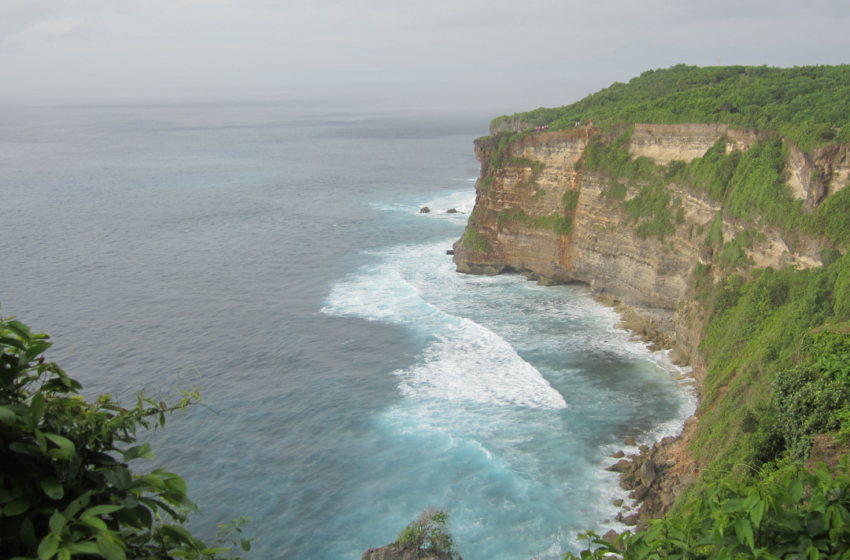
353	378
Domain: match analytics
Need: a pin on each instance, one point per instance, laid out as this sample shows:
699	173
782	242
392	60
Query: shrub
430	533
66	487
787	513
475	242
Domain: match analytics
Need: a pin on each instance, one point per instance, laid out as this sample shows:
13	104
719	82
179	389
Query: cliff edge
543	211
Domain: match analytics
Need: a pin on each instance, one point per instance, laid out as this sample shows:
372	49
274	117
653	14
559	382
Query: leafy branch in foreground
789	513
66	489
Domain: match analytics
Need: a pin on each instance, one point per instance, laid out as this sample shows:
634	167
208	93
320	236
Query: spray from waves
464	359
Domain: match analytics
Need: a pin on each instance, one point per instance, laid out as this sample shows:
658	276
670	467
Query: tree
66	487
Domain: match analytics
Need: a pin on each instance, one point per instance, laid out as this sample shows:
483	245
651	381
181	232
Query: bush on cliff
430	533
787	513
66	487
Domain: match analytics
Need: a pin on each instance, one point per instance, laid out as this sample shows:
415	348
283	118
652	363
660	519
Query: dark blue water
274	256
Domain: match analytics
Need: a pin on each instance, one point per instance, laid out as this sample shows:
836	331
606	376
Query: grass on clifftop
809	105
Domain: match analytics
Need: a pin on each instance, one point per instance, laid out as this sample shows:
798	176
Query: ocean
273	255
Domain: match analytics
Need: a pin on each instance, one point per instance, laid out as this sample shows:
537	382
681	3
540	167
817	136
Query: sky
509	55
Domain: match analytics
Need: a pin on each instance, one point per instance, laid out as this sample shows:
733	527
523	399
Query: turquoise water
274	256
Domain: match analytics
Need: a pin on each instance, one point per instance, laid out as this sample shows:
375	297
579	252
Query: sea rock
621	466
630	441
611	536
618	503
631	520
639	493
451	211
424	210
618	455
647	473
450	252
392	552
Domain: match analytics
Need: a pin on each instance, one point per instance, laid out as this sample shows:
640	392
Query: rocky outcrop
393	552
655	477
648	278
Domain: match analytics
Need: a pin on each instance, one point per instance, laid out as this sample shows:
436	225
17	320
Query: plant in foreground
66	488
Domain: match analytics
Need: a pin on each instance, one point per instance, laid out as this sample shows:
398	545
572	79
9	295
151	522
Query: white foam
466	361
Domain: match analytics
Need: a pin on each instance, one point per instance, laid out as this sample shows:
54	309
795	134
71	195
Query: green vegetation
787	513
830	218
474	241
429	533
66	487
554	222
734	253
500	158
771	371
570	199
809	105
537	194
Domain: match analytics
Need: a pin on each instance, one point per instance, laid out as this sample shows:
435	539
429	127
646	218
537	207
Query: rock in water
450	252
451	211
392	552
424	210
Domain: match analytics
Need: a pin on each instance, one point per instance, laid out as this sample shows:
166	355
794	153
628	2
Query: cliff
542	211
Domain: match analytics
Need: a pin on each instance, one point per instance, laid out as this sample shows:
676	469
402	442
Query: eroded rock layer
540	180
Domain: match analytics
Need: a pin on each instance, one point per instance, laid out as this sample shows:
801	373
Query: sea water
274	256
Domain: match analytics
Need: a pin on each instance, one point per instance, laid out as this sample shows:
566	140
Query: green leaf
52	487
16	507
731	506
65	445
179	533
99	510
751	501
95	522
246	544
84	548
37	408
7	417
39	439
48	547
119	477
57	523
77	505
795	489
63	554
109	549
745	532
154	481
756	513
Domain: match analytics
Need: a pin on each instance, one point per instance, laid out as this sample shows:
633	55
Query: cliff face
517	203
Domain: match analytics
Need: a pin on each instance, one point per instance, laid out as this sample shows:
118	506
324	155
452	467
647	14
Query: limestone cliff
540	211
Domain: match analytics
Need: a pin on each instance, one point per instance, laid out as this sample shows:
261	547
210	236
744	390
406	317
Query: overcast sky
517	54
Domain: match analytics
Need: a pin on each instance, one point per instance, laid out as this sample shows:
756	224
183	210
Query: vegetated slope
808	105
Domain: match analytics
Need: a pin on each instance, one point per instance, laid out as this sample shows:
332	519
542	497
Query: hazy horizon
493	56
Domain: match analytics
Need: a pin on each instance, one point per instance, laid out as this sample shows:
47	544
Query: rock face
646	277
392	552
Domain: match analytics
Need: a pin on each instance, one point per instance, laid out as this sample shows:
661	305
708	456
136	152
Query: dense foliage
66	487
809	105
787	513
768	387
